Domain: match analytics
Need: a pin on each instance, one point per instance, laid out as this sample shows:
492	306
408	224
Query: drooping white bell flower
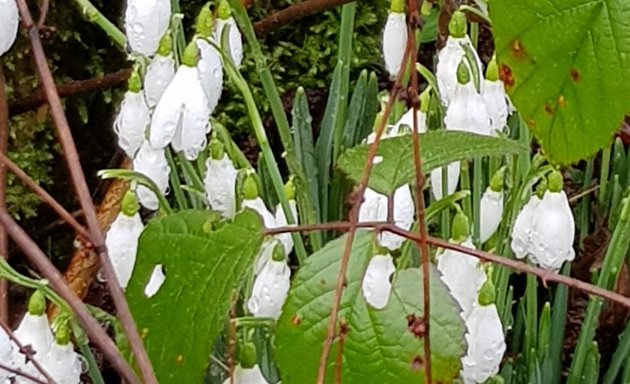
451	182
220	183
251	375
61	362
160	72
7	352
395	38
374	208
146	21
405	123
122	239
491	207
9	20
182	115
211	71
152	163
376	286
467	109
281	221
258	205
271	286
34	331
523	228
133	118
451	56
496	99
235	40
486	344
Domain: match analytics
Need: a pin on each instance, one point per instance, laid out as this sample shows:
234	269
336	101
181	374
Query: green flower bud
289	189
191	54
134	83
460	227
129	205
204	25
541	188
397	6
555	181
463	73
425	98
278	252
247	354
496	379
457	25
426	8
62	333
496	184
224	11
37	304
487	293
492	72
250	187
166	44
216	148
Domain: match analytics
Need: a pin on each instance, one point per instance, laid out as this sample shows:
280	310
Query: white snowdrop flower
63	364
156	280
374	208
258	205
220	183
486	344
281	221
160	72
451	182
122	239
491	207
405	123
182	115
251	375
224	18
376	286
467	111
6	354
271	286
496	105
9	20
133	118
463	275
211	71
395	38
34	330
146	21
523	228
553	232
451	56
152	163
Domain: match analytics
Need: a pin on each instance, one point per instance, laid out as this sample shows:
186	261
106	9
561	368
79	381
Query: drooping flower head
160	72
375	208
220	180
9	20
210	64
376	286
61	362
467	108
395	38
491	207
133	118
271	286
235	41
495	98
146	21
152	163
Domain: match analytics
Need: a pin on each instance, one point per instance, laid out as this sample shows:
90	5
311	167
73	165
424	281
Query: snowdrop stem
477	190
126	174
474	34
604	179
446	226
465	183
93	15
584	210
175	181
7	272
191	175
531	318
270	160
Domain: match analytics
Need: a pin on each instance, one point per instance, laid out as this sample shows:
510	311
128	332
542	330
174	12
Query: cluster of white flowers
54	354
466	279
9	21
545	228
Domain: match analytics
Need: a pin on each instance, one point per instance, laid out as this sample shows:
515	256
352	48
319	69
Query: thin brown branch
82	191
44	196
4	244
43	13
413	25
358	195
293	13
93	329
74	88
28	354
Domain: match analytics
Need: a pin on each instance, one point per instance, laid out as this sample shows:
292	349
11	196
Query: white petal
373	207
155	281
190	136
490	213
404	212
220	182
235	40
554	232
467	111
270	290
168	111
463	276
486	344
281	221
63	364
152	163
407	120
496	104
146	22
251	375
394	42
132	122
8	24
122	245
523	227
160	72
448	60
451	181
34	331
259	206
376	286
211	71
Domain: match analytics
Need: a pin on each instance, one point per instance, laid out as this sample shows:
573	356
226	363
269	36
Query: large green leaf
566	65
395	166
379	346
203	259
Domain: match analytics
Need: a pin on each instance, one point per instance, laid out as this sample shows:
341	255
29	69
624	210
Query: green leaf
379	346
439	148
204	260
566	66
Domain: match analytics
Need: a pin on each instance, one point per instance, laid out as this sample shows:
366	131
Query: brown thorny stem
78	180
545	275
357	197
4	246
28	356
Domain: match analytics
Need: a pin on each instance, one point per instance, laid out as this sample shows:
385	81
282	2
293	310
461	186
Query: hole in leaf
155	281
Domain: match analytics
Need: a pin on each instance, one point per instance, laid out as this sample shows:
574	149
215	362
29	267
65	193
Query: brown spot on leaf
548	109
531	123
575	75
562	101
417	363
517	49
415	325
296	320
505	74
